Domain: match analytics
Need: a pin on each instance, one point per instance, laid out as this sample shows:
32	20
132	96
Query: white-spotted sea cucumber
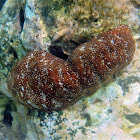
45	82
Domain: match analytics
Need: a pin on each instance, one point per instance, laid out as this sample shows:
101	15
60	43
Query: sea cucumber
45	82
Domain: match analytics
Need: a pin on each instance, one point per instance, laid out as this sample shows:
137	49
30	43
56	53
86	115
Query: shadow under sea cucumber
45	82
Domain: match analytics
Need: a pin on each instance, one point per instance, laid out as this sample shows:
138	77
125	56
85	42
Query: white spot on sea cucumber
41	60
102	61
100	40
117	36
22	88
35	106
29	102
23	75
108	63
17	76
32	55
44	105
18	94
60	70
43	96
26	66
82	48
56	103
61	84
43	54
21	93
112	41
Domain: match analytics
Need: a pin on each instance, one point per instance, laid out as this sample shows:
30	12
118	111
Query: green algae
87	17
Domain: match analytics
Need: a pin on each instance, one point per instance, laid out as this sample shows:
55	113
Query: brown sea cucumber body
46	82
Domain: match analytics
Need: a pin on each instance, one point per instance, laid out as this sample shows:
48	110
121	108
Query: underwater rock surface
112	112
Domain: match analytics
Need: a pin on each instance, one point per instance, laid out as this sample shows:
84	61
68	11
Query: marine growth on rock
45	82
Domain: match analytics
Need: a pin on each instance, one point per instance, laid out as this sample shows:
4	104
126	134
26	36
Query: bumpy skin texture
46	82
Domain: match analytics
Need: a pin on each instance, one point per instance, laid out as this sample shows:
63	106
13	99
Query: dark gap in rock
95	20
135	3
134	118
114	76
88	118
22	18
2	3
7	116
109	110
11	50
57	51
41	115
124	83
